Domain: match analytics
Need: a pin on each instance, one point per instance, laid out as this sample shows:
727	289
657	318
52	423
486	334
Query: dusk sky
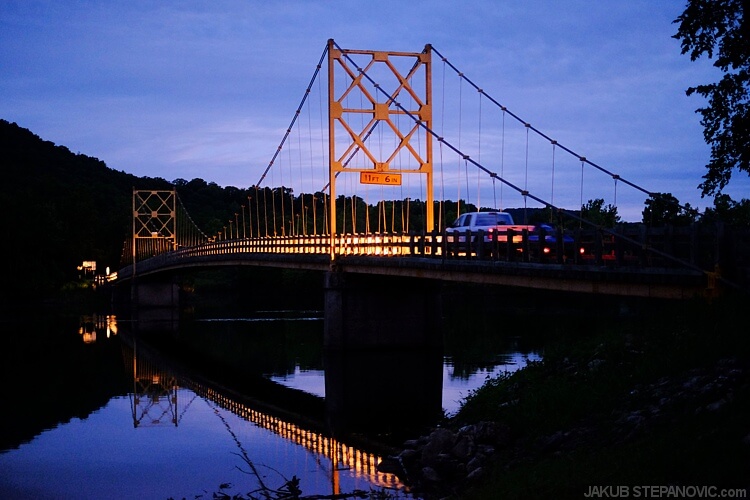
206	89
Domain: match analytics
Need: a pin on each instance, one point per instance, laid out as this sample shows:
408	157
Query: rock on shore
446	461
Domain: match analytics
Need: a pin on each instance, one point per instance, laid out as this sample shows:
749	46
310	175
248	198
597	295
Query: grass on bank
563	411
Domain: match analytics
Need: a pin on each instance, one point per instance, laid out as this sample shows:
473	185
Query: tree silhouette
595	212
721	27
664	209
729	211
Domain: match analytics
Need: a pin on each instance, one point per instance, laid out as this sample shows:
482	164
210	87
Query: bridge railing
695	247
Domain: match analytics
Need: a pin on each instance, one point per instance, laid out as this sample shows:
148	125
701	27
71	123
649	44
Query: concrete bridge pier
158	294
153	304
365	311
383	352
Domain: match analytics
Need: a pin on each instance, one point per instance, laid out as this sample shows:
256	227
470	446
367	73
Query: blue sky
186	89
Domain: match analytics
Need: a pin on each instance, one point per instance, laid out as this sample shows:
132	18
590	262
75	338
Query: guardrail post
598	246
643	240
494	246
693	243
669	237
619	246
510	253
467	244
525	244
540	244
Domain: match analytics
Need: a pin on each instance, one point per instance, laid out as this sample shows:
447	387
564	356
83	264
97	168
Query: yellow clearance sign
380	178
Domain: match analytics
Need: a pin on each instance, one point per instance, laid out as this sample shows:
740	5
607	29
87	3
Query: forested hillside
60	208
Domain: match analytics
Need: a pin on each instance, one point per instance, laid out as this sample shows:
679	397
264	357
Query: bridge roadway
432	257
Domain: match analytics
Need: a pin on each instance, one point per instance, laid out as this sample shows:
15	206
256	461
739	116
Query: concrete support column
365	311
155	294
383	352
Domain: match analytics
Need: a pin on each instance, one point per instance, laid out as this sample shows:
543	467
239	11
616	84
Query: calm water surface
456	386
92	412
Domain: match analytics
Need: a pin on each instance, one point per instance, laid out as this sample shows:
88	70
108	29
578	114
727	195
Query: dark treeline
62	208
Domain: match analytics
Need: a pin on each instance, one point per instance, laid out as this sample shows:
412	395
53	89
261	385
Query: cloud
207	89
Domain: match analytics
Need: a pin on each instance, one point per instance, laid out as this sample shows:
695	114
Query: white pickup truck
488	222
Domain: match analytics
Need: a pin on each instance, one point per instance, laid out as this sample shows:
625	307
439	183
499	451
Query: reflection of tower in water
342	456
154	400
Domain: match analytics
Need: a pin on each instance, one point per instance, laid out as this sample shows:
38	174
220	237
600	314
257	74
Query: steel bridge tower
154	223
384	110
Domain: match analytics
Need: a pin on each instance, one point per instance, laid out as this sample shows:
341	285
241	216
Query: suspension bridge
376	154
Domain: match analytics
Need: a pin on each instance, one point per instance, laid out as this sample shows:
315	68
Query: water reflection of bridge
342	456
156	385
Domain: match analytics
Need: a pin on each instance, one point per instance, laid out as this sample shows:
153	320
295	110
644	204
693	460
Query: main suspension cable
540	133
296	115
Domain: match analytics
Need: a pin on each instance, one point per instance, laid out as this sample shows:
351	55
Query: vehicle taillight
546	250
582	250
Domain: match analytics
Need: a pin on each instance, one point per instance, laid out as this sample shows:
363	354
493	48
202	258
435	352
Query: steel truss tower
371	93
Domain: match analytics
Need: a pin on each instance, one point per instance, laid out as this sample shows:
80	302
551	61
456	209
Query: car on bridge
549	236
494	228
471	224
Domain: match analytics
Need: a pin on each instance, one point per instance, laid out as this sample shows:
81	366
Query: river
102	405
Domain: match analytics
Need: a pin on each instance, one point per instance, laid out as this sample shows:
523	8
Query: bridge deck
618	271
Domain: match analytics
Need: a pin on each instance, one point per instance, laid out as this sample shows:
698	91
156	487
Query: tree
595	212
664	209
720	26
729	211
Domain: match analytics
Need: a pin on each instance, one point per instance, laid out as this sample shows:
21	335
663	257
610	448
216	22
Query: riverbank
661	399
